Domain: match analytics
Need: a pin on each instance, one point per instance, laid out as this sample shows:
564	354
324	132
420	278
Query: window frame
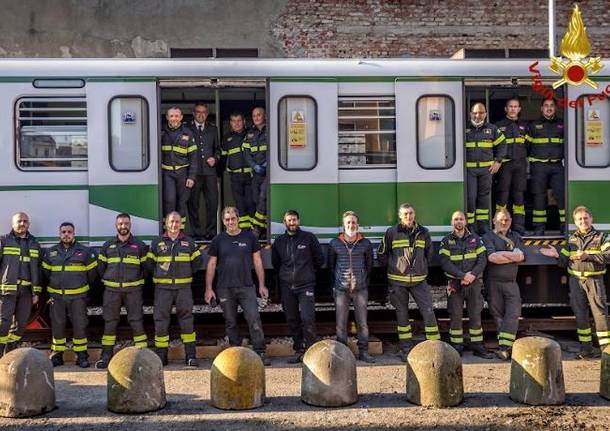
128	96
579	134
17	133
279	132
417	131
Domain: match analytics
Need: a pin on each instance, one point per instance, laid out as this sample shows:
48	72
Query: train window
51	133
128	135
298	133
592	132
435	132
367	132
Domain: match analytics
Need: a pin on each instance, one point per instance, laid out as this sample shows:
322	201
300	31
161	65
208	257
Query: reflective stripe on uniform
69	268
476	334
173	168
432	333
479	164
407	278
456	336
173	280
585	274
108	340
82	289
79	344
584	335
110	283
162	342
404	332
188	338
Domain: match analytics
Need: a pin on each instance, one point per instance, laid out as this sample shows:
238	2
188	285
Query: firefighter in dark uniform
485	149
174	258
463	260
585	256
70	269
504	253
406	249
512	176
178	163
546	164
255	154
239	171
121	263
206	137
20	283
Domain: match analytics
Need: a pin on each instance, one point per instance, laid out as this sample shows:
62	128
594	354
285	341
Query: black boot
107	352
405	349
458	348
503	353
82	359
162	354
366	357
190	355
11	346
57	359
587	351
478	349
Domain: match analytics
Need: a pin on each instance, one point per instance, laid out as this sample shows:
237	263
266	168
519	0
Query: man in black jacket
206	138
350	260
296	255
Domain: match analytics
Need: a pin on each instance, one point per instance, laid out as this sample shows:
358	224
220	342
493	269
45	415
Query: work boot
478	349
162	354
296	358
11	346
539	231
190	355
107	352
503	353
82	359
265	359
57	359
405	349
458	348
366	357
587	352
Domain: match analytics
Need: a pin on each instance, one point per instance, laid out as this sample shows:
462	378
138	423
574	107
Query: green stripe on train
592	194
137	200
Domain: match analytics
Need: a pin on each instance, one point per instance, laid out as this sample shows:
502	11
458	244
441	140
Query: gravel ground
81	400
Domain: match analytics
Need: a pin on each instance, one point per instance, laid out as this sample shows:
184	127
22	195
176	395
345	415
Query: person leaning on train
20	288
585	255
70	269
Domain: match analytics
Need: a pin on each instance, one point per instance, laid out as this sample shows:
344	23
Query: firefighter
121	263
239	171
585	255
462	256
173	258
512	176
20	285
255	154
206	137
178	163
406	249
485	149
504	253
70	269
546	164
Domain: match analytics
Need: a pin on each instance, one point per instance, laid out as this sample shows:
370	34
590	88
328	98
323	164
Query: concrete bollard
237	380
135	381
604	381
329	375
27	385
536	373
434	375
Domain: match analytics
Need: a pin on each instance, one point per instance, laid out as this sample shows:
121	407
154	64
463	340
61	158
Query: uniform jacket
121	265
493	243
179	150
484	144
296	259
406	252
232	151
19	263
70	271
516	133
207	145
350	263
597	246
461	255
173	263
546	140
255	146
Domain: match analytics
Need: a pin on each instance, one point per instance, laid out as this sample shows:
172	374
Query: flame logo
575	47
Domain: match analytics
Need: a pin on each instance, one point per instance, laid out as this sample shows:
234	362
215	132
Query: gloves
260	169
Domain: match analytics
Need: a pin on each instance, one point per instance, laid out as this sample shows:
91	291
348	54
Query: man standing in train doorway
512	176
239	171
206	138
178	163
255	154
485	149
546	164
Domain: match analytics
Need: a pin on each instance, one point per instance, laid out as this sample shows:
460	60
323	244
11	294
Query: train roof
271	68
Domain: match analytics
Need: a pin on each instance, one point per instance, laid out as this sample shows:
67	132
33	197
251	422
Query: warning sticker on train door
594	131
297	137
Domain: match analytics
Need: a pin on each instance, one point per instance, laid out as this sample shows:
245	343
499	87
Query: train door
429	139
588	129
304	158
123	161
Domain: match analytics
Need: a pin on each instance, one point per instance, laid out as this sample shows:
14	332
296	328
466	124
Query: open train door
123	157
303	159
429	142
588	132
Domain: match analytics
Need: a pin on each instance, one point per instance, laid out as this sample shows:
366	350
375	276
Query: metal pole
551	28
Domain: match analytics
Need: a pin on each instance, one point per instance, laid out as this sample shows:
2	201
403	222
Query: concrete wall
285	28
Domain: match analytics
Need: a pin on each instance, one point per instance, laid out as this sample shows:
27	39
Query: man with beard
121	264
296	255
463	259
